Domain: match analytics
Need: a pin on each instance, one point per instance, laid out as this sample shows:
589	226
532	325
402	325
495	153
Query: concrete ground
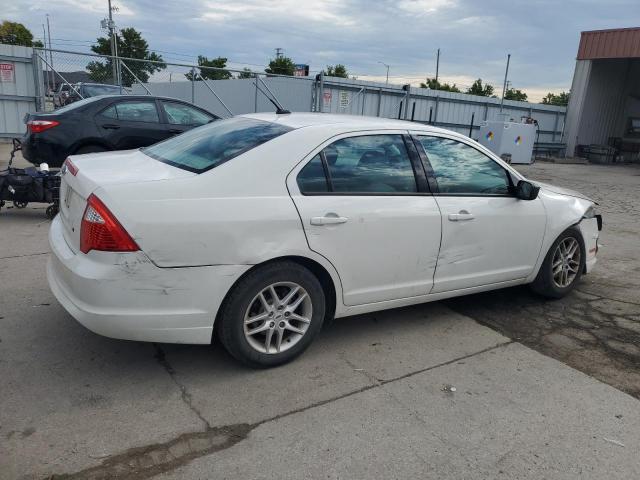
481	387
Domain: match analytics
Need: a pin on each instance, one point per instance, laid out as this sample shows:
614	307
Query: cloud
474	37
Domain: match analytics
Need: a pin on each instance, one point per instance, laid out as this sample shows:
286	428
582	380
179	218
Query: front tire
272	315
563	266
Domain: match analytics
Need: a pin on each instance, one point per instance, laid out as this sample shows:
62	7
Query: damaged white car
261	227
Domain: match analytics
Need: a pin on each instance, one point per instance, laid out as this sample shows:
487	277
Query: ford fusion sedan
261	227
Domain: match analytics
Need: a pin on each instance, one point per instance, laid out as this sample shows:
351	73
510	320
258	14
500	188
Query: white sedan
263	226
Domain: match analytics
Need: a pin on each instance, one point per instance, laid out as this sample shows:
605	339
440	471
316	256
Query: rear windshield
206	147
78	104
93	90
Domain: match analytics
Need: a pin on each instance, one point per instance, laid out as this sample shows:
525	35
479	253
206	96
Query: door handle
110	126
328	219
175	131
461	216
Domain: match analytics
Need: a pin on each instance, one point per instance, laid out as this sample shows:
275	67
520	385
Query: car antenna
280	110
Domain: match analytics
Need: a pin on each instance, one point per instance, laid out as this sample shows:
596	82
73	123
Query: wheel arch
330	283
87	142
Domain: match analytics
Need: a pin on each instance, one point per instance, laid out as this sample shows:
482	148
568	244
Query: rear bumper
125	296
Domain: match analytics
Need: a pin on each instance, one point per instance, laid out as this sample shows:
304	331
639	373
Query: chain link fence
228	91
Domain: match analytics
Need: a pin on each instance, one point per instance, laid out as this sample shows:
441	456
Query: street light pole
387	70
437	67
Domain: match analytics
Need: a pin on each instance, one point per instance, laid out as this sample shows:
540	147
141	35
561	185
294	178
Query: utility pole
46	69
114	46
504	87
50	52
437	67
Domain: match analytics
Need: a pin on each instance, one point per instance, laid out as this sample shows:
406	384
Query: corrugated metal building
604	107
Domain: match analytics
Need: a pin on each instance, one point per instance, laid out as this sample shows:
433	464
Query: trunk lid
103	169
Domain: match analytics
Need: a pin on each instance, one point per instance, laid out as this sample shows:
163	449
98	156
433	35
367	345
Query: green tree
434	84
131	45
561	99
513	94
14	33
208	74
478	88
281	66
339	70
245	73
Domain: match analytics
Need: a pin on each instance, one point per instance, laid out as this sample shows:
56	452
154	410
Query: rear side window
368	164
206	147
180	114
143	111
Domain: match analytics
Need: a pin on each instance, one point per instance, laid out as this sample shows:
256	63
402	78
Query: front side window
461	169
143	111
368	164
180	114
206	147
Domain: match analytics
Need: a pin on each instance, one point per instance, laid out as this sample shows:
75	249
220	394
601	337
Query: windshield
206	147
93	90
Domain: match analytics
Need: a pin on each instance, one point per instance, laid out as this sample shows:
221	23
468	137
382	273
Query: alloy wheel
278	317
566	262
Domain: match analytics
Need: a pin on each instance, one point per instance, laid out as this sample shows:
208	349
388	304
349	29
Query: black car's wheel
52	211
272	315
20	204
563	266
90	149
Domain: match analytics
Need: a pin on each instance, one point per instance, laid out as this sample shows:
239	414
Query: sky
474	36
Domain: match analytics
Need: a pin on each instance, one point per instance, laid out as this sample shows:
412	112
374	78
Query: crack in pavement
140	463
186	396
24	255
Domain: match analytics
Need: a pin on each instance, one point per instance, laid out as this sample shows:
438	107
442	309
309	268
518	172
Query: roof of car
299	120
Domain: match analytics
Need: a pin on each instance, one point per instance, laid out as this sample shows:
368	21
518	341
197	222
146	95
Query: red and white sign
7	72
326	100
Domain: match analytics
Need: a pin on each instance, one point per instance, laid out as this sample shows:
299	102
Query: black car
103	123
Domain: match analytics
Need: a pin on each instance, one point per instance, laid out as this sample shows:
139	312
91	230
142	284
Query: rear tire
272	315
563	265
90	149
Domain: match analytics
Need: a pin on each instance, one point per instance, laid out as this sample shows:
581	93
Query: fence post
379	101
473	116
38	79
407	88
255	97
555	126
322	91
193	84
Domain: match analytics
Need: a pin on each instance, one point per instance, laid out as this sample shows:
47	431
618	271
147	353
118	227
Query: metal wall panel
355	97
18	97
604	102
615	43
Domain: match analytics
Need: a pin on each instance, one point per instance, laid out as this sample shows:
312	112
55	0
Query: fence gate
19	93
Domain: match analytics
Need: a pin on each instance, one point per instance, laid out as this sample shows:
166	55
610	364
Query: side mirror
526	190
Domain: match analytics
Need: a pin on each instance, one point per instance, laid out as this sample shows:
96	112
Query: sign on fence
345	98
326	99
7	73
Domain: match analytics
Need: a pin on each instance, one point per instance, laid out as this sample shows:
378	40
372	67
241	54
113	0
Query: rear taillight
39	126
69	166
100	230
